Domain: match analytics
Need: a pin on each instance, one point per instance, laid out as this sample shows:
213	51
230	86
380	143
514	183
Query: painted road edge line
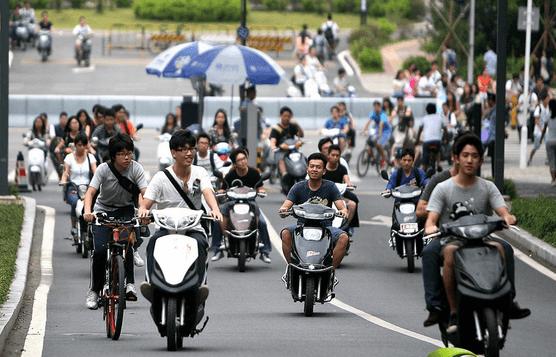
277	243
35	336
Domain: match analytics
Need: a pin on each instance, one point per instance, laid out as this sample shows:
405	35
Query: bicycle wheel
363	163
115	301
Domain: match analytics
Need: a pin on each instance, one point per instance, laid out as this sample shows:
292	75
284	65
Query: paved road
122	73
252	314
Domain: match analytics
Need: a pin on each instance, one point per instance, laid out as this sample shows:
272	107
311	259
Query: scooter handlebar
386	194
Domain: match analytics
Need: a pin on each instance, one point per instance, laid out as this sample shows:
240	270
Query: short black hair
182	138
334	147
117	107
324	141
119	142
468	139
236	152
408	151
286	109
81	138
203	135
543	94
334	107
377	102
109	112
317	156
430	108
63	114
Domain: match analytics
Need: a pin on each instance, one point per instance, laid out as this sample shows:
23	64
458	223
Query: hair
81	138
88	120
408	151
109	112
286	109
117	107
98	108
324	141
334	107
341	104
491	97
236	152
44	115
226	125
203	135
329	17
468	139
341	71
165	126
431	108
390	105
68	125
543	94
552	107
43	130
182	138
63	114
119	142
317	156
377	102
334	147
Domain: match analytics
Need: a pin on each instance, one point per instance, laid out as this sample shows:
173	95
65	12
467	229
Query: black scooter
483	287
406	233
296	166
310	275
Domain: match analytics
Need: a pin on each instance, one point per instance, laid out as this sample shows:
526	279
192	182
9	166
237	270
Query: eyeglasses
192	149
125	154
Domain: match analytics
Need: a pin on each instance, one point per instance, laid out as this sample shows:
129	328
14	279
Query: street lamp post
4	95
363	12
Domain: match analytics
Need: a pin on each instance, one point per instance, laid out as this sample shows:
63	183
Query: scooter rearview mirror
384	175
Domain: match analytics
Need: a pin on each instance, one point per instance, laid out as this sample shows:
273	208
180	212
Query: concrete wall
151	110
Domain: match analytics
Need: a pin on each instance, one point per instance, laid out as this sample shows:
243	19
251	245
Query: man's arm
208	194
505	214
346	180
88	202
431	226
341	206
145	207
285	206
421	210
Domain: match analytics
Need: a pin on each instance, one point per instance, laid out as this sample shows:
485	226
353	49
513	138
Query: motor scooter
44	44
21	34
80	231
310	275
175	273
83	54
37	162
296	166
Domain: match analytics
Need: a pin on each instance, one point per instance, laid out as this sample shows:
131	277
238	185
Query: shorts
536	141
334	232
551	154
384	139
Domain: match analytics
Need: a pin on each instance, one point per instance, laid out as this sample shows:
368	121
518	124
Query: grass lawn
262	20
536	215
11	216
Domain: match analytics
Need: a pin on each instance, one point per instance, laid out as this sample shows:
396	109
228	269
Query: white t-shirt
423	88
79	173
84	30
432	127
204	162
161	190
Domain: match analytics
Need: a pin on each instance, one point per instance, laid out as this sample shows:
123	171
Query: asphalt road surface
378	311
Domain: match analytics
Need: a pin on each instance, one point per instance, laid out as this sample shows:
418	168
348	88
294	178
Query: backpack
329	34
211	158
400	173
451	58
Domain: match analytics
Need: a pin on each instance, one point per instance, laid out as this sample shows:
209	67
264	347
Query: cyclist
432	128
336	121
117	201
384	131
196	187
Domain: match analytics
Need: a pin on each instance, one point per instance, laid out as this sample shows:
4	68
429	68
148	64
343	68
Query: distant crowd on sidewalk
474	103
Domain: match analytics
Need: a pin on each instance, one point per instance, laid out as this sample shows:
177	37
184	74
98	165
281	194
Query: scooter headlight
475	231
314	234
407	208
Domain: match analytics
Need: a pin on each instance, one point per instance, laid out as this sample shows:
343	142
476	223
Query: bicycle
364	160
113	296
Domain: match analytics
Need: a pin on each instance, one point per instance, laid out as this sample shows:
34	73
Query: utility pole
525	109
363	12
501	46
4	95
470	59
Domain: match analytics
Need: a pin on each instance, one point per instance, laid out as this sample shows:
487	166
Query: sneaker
217	256
137	260
146	290
432	319
265	258
516	312
453	324
73	232
202	294
92	300
130	292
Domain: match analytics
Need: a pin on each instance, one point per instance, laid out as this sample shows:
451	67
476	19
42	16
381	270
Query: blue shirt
326	194
332	124
411	179
382	117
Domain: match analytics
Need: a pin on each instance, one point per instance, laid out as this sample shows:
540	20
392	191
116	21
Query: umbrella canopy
234	64
170	62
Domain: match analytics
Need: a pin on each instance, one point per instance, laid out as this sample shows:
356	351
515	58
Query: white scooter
163	152
339	221
36	158
175	274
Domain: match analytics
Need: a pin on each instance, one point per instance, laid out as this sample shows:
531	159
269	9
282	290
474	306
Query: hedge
11	216
421	62
370	60
188	10
537	216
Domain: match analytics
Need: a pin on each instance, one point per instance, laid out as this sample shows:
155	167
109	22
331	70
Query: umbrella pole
230	118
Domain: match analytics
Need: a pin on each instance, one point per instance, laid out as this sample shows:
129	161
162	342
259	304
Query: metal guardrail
151	110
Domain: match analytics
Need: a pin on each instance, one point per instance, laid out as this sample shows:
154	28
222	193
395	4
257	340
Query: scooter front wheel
410	255
242	256
173	336
309	296
492	347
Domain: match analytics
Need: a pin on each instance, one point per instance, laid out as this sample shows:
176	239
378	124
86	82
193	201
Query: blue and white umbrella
234	64
170	62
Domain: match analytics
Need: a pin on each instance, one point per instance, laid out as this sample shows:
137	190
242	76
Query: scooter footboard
323	282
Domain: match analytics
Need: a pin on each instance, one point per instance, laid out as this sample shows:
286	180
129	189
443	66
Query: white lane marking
379	220
53	177
89	69
35	336
531	262
277	243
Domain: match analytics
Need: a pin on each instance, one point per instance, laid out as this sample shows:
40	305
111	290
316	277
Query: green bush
418	10
36	4
123	3
346	5
11	216
421	62
313	6
509	188
370	60
188	10
391	8
76	4
278	5
537	216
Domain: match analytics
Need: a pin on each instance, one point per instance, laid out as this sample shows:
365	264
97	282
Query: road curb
534	247
10	309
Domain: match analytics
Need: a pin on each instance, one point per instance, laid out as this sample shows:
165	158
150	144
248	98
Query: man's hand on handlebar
217	215
88	217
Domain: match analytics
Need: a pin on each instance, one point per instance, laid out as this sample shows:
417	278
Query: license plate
409	227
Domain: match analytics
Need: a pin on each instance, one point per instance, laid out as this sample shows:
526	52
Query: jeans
432	280
101	236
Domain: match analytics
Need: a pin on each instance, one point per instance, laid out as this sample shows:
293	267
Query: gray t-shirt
432	127
433	182
550	130
112	195
482	197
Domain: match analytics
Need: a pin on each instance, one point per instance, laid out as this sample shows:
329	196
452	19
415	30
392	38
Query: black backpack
211	158
329	34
